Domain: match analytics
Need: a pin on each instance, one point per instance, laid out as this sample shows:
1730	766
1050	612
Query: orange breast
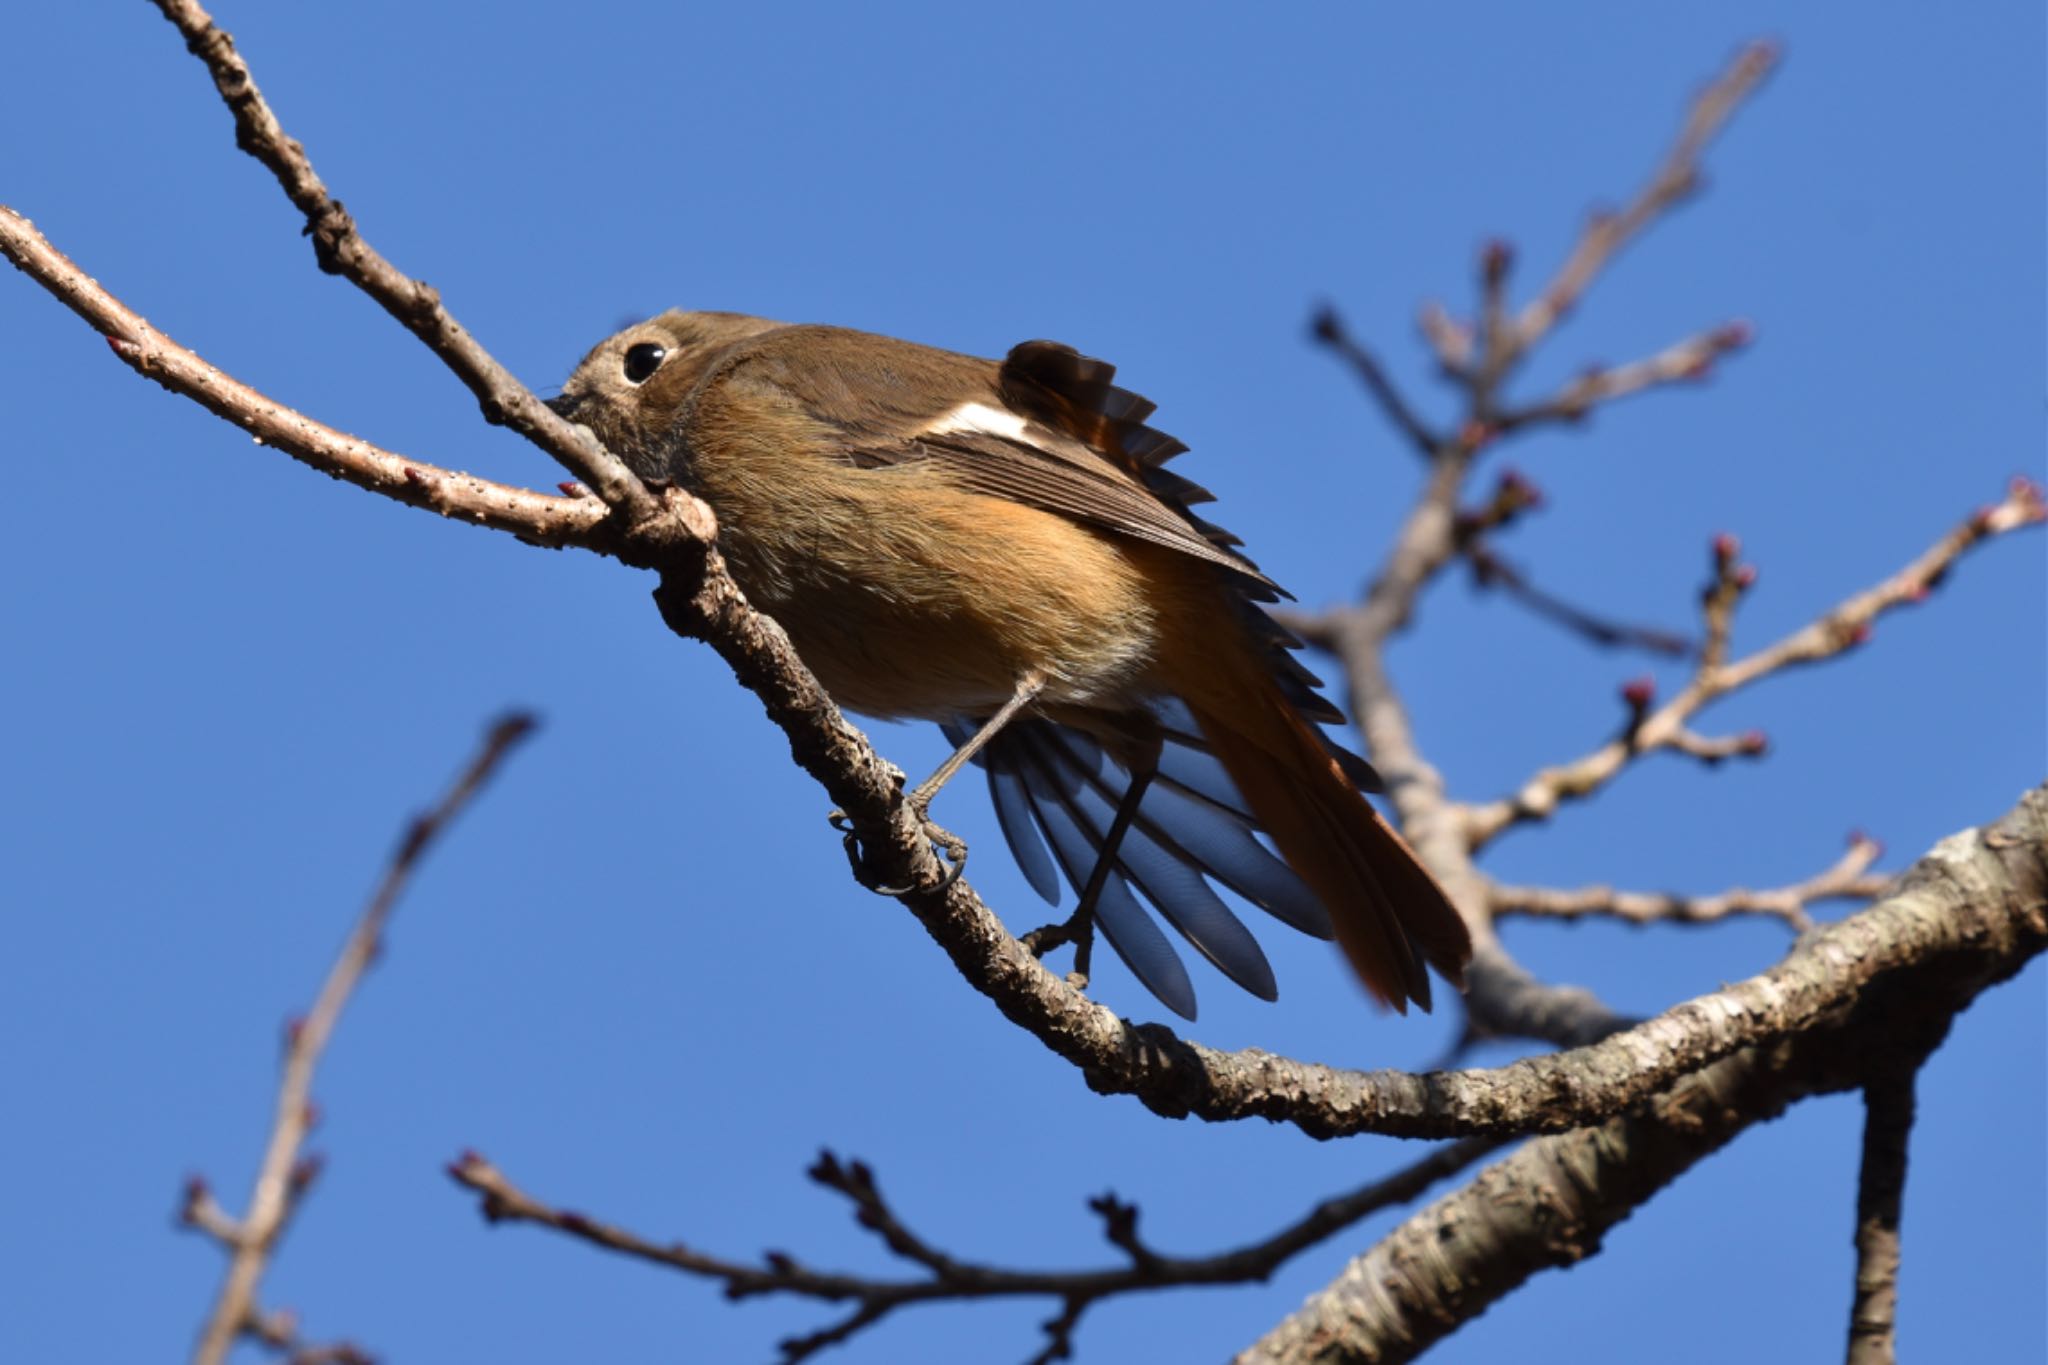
912	599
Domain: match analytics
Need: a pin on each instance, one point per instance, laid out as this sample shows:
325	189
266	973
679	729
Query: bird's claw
949	847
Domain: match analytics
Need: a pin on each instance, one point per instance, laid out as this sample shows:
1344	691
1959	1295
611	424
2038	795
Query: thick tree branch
699	598
948	1278
1551	1202
284	1176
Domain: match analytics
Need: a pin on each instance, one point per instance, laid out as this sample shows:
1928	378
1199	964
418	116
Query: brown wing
1052	432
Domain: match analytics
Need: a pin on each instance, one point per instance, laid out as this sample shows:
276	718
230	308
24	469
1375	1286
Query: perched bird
999	547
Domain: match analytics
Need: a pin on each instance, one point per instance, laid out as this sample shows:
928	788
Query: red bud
1755	742
1745	577
1732	335
1476	434
1495	258
1639	692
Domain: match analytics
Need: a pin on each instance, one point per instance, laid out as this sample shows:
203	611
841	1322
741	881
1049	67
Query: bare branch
1489	570
1687	361
284	1175
1849	879
1675	179
341	250
531	516
1551	1202
948	1278
1880	1194
1448	338
1328	328
1844	627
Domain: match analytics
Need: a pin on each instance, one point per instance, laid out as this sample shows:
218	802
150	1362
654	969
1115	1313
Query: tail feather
1390	915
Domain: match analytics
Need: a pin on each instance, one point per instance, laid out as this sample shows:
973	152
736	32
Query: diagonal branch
284	1175
1833	633
948	1278
342	250
1328	328
532	516
1551	1202
1490	571
1687	361
1675	179
699	599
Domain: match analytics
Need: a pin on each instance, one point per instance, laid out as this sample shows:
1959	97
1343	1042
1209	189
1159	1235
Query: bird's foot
1077	929
949	847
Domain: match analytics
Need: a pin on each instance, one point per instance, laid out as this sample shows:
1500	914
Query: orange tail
1390	915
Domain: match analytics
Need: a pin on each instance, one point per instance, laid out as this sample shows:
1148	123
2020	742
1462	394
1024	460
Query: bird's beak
563	405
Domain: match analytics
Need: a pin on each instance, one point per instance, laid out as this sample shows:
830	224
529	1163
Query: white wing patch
988	421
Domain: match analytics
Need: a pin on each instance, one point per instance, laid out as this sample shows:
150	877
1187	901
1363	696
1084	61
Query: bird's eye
643	360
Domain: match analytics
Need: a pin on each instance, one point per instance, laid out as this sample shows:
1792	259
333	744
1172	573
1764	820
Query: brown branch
1880	1194
1926	921
948	1278
1328	328
699	598
341	250
1844	627
1688	361
1674	180
1449	339
1849	879
1502	998
532	516
1490	571
284	1175
1551	1202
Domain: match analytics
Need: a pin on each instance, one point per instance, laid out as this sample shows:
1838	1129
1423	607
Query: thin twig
283	1175
1489	570
1835	632
1688	361
948	1278
1328	328
1676	178
1849	879
532	516
341	250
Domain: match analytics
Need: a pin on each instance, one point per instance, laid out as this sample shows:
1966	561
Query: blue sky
637	976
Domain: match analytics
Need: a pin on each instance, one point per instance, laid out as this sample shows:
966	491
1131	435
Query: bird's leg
1028	688
1079	927
920	797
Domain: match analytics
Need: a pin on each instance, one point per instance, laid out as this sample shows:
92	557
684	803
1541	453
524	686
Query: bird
999	547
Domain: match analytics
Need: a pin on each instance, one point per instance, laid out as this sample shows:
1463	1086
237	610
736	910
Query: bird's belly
937	605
